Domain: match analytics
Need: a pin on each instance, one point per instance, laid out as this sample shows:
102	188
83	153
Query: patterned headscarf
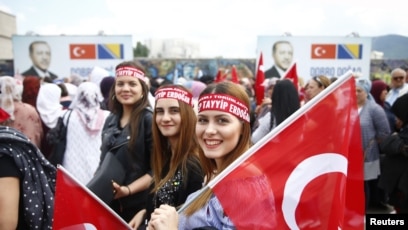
86	103
365	84
38	177
11	90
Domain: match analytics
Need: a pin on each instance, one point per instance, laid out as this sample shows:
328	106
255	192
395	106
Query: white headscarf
86	103
11	90
48	104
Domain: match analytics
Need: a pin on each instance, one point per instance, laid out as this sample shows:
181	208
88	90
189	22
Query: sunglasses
398	78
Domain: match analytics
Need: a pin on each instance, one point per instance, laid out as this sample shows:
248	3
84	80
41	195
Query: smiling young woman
223	132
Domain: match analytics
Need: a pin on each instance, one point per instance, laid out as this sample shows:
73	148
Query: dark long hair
137	110
285	101
186	149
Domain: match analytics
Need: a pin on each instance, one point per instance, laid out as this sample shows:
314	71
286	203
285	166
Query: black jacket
394	170
136	164
31	72
272	72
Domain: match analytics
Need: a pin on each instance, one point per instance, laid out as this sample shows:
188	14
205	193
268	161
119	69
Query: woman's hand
165	217
137	220
120	190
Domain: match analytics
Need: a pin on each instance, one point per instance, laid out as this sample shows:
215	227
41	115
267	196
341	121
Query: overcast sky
222	27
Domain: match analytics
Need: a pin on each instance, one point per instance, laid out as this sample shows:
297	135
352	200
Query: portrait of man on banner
282	54
40	55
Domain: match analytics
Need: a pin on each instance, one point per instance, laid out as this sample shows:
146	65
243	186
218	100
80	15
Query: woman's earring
113	97
141	96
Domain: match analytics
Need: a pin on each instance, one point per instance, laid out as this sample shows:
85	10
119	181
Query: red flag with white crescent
291	74
77	208
234	75
260	77
307	173
218	78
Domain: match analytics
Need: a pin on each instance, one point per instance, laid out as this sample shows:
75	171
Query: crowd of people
170	145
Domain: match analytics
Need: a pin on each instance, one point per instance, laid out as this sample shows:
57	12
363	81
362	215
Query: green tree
140	50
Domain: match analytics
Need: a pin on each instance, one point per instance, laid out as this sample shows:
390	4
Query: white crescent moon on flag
77	51
318	51
302	175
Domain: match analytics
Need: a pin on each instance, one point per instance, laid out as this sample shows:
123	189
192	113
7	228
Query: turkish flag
218	78
307	173
77	208
323	51
260	78
82	51
291	74
234	75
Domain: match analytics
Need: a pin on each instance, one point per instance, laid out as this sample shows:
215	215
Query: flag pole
253	149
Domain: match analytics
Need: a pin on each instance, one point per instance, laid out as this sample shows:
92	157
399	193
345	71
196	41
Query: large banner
330	56
68	55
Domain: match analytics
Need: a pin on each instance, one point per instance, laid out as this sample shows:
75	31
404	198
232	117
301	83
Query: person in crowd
65	99
50	109
151	98
128	134
31	86
394	175
105	85
71	87
196	87
206	79
282	53
405	68
27	182
266	103
23	116
379	91
176	167
85	123
315	85
398	87
374	128
40	55
97	74
285	99
223	136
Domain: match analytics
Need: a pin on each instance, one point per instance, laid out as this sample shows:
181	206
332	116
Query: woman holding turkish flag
223	131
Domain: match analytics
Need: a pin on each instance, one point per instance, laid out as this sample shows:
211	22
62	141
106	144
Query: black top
136	164
9	169
175	191
19	157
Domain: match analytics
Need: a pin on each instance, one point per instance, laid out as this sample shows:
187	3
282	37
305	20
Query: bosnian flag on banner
307	173
77	208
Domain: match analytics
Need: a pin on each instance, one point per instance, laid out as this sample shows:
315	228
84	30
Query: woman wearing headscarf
31	86
27	182
379	90
84	138
23	116
394	177
50	109
374	128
